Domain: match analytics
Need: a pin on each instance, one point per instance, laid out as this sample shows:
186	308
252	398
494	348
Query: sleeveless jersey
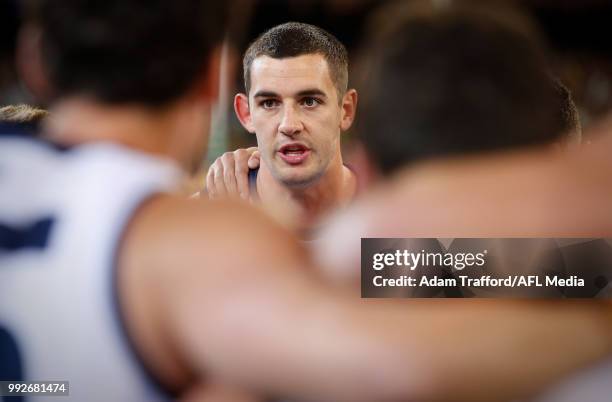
62	215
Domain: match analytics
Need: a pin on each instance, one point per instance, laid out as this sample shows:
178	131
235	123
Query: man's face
296	115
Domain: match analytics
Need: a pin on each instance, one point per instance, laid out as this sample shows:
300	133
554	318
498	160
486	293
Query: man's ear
349	108
243	112
30	64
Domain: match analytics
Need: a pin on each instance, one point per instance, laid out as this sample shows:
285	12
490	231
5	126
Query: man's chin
294	180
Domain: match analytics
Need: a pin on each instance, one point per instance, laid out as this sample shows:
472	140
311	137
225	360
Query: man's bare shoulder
538	192
184	258
531	193
174	233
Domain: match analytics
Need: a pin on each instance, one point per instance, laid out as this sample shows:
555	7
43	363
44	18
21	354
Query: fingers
241	171
210	182
218	180
215	186
254	158
228	176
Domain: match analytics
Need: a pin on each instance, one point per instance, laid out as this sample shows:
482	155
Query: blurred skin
135	126
292	102
535	193
218	393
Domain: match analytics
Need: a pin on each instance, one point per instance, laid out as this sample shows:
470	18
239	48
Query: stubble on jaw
300	184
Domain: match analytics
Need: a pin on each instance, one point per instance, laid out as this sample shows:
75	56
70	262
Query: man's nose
291	123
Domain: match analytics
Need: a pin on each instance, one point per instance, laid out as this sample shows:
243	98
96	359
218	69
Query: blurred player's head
456	81
155	55
296	100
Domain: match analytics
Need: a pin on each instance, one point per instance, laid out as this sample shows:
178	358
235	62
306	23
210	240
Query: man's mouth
294	154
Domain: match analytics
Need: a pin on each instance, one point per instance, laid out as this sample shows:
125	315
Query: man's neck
302	208
79	121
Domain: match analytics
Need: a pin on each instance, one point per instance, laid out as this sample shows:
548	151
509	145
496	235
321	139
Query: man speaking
297	103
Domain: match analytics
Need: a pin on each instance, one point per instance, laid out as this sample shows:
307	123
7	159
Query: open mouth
294	154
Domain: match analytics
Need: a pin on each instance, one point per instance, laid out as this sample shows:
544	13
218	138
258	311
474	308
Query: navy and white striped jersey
62	215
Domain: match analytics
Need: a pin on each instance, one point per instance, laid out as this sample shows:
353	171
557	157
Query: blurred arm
235	297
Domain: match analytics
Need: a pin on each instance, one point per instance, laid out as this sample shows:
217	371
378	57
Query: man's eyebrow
312	92
304	92
266	94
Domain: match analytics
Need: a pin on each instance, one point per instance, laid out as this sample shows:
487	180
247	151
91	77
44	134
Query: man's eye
310	102
268	103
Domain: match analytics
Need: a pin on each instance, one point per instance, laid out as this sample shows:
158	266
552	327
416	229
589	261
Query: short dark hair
294	39
127	51
456	81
